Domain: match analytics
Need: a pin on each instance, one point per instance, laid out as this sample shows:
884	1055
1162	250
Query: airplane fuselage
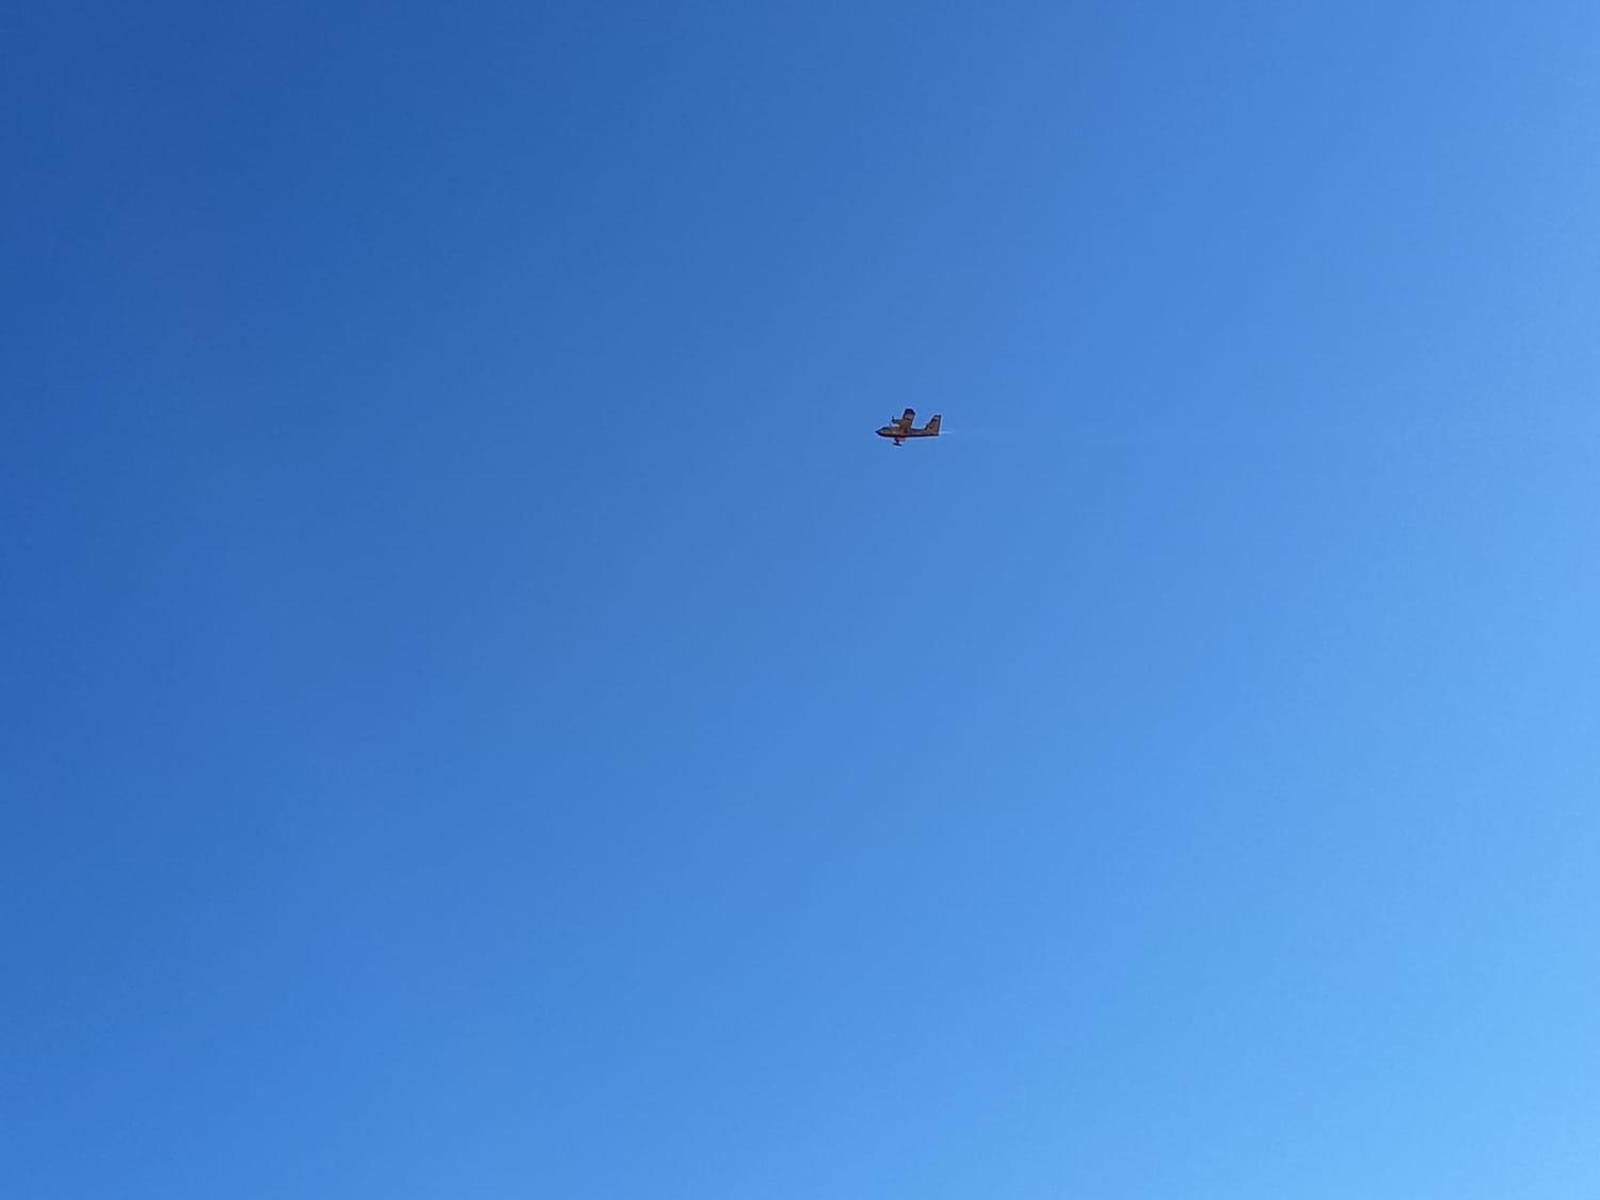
900	435
906	427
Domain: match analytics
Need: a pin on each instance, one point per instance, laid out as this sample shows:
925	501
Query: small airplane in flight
904	427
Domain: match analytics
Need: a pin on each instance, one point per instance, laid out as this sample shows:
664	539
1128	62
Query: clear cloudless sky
482	716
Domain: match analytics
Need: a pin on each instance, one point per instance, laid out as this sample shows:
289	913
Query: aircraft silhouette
902	427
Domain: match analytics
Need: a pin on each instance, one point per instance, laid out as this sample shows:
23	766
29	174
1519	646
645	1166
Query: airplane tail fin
932	425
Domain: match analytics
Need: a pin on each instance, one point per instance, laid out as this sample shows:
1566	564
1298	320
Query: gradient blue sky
483	716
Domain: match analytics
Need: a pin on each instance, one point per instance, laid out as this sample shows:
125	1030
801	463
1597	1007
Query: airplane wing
906	419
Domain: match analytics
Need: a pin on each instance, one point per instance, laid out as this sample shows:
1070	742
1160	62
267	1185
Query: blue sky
483	717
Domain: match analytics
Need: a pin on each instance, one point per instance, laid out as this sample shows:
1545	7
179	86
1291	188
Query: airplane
903	427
